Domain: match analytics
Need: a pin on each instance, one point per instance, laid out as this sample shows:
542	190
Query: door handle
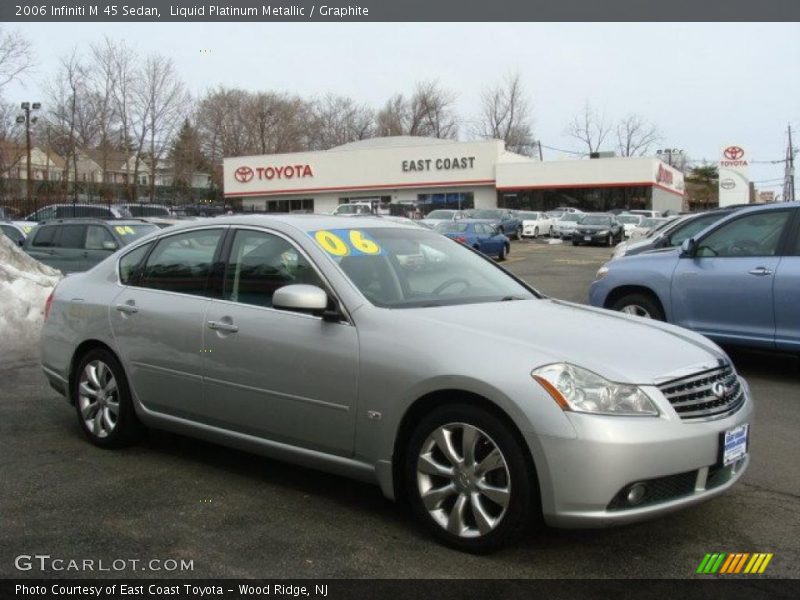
226	327
761	271
127	308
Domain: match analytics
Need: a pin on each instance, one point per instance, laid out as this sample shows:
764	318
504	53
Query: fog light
636	493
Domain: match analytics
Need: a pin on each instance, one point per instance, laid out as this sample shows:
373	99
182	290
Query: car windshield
573	217
595	220
486	213
555	214
129	233
441	214
628	219
406	268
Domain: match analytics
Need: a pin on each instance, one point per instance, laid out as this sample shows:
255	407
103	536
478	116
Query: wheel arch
624	290
82	349
431	400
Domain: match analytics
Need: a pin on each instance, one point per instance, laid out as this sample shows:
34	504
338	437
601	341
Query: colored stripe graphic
734	563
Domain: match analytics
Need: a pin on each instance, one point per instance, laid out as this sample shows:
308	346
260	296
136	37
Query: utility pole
27	119
789	194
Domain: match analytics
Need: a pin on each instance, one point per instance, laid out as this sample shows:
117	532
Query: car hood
593	227
620	347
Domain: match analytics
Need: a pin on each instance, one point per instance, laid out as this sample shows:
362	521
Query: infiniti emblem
719	390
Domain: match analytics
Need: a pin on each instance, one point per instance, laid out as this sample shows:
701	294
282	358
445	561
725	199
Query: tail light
48	304
461	239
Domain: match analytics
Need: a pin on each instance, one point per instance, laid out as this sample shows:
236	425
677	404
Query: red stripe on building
364	187
587	185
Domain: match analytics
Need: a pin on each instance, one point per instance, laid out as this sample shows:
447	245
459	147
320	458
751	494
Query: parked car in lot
435	217
458	387
505	220
629	222
353	208
535	223
16	231
70	211
737	281
649	225
71	245
645	213
598	228
563	227
484	236
673	234
146	210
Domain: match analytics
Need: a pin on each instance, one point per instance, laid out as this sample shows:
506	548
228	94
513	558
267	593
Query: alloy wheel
98	399
463	480
635	309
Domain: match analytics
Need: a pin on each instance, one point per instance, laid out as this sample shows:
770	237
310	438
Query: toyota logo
727	184
733	153
243	174
719	390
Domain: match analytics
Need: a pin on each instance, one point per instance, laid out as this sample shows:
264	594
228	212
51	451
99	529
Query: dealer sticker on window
734	444
346	242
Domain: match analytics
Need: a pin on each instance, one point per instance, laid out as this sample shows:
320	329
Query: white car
564	227
353	208
535	223
645	213
646	226
629	222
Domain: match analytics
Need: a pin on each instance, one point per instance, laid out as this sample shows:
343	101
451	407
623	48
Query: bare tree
66	95
164	101
429	112
506	115
590	128
635	136
16	56
339	120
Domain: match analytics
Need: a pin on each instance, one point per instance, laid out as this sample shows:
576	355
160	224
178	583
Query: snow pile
555	241
25	284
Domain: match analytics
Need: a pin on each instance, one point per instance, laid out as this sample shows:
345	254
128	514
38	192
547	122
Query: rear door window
182	263
72	236
44	237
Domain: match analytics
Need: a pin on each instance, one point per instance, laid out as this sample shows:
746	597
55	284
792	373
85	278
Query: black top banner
401	10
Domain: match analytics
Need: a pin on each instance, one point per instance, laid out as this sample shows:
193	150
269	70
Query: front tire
504	249
468	480
518	233
641	305
103	401
535	232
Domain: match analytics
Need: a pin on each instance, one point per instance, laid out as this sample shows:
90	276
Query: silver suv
449	382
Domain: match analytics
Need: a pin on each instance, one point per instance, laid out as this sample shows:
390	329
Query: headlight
604	232
579	390
601	272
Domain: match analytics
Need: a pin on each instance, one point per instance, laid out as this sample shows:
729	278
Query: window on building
451	200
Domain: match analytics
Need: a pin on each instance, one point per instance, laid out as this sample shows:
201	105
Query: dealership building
405	173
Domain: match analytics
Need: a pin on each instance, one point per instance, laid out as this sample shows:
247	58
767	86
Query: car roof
301	222
80	220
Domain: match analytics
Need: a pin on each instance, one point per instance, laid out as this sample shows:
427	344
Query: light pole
28	119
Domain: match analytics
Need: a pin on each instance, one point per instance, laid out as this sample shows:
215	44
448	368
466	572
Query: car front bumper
594	238
584	480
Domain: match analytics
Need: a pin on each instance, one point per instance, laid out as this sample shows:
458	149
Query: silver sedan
338	343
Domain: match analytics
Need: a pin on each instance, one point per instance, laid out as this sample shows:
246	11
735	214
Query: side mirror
301	298
109	245
688	248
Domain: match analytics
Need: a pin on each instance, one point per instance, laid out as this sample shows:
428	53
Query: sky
704	85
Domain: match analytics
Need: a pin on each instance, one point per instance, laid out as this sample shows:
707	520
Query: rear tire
468	479
503	253
103	401
641	305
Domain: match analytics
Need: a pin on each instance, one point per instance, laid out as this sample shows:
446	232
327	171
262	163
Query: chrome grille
694	397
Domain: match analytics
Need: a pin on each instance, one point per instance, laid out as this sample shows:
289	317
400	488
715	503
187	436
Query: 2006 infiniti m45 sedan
397	356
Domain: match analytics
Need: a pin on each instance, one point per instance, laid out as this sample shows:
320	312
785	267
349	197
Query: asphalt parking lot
238	515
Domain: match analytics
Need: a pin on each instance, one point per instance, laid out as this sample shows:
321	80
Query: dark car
673	234
597	228
145	210
71	245
484	236
71	211
506	221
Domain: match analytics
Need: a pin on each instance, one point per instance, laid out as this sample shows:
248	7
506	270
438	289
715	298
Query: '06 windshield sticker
346	242
124	230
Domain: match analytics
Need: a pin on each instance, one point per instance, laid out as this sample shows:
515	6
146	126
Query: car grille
711	393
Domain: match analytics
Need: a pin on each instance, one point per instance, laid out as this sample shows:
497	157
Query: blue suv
737	281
